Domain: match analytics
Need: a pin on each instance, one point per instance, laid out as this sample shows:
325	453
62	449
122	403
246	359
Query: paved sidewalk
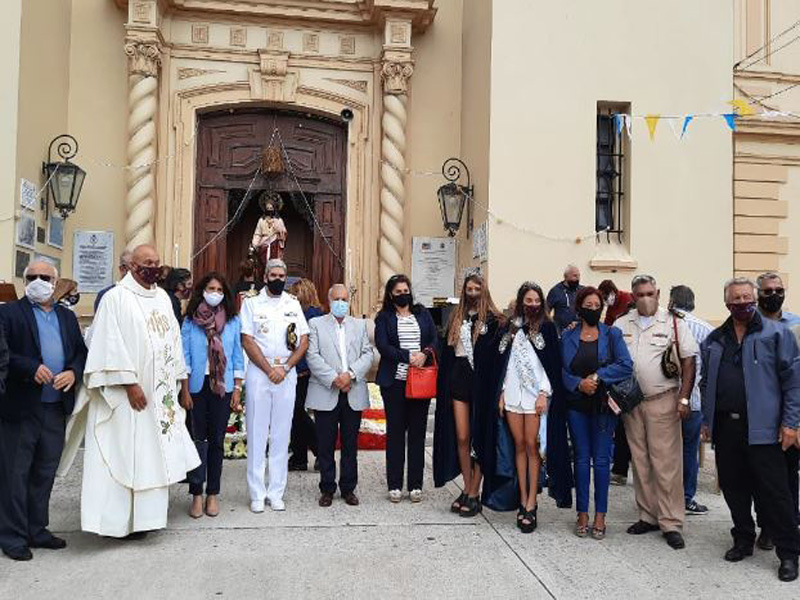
380	550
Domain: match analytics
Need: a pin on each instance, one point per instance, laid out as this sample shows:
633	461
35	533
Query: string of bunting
680	123
42	190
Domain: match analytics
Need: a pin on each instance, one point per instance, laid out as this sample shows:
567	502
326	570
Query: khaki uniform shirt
646	346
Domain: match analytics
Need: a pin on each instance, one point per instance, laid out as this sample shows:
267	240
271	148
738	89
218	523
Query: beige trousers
655	438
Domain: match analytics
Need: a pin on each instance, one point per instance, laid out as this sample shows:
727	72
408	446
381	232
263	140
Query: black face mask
270	213
73	300
472	300
532	311
770	304
590	315
402	300
275	286
573	285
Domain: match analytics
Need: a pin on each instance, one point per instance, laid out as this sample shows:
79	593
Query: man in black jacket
3	362
46	361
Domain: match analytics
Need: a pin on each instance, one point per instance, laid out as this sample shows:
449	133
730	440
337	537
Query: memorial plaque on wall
433	268
93	260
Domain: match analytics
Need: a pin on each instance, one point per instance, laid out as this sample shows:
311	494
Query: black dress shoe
325	499
738	553
298	466
53	543
764	542
641	527
675	540
788	569
351	499
25	553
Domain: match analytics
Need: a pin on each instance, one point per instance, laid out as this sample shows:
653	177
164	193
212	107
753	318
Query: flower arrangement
235	445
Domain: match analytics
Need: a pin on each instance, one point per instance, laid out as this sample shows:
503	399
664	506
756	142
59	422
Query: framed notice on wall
433	268
93	260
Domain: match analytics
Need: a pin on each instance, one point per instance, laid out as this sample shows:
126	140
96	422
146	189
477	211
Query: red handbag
421	381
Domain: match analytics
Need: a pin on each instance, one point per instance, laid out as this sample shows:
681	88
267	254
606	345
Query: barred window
610	196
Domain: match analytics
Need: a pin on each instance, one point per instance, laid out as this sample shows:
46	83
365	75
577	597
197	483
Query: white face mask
611	300
213	298
39	291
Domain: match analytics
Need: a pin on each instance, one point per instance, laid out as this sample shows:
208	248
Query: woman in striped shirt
402	331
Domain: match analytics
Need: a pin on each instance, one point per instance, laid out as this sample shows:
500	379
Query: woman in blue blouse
594	357
212	348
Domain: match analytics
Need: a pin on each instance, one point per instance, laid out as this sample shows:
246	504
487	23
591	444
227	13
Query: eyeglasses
772	291
30	278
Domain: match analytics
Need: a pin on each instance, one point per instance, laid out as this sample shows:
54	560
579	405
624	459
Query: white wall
551	63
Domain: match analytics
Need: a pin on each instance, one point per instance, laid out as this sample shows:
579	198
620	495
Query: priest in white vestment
136	441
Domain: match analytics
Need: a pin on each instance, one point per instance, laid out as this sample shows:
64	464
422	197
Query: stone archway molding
175	212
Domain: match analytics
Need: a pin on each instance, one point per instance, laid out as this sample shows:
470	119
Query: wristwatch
238	388
287	368
684	401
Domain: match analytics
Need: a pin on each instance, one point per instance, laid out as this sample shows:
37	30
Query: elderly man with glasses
47	356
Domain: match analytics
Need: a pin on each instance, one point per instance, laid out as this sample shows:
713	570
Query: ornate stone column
143	48
396	70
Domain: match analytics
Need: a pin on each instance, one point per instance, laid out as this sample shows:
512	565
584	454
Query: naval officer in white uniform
275	337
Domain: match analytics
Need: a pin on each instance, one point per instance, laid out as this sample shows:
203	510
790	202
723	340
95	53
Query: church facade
189	113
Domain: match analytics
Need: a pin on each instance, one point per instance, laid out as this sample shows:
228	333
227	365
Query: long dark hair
519	308
200	287
388	303
485	308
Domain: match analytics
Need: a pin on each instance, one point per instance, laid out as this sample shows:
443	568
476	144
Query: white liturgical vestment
130	457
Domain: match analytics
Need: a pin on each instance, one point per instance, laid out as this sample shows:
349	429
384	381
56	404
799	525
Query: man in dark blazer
3	362
46	361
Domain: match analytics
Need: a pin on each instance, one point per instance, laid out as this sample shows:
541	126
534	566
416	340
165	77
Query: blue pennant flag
686	120
730	119
619	123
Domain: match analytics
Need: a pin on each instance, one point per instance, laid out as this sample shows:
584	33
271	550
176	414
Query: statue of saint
269	238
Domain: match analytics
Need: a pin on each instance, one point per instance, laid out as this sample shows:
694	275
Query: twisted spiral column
141	152
393	190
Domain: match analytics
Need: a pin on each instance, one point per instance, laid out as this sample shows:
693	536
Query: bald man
136	441
561	298
46	362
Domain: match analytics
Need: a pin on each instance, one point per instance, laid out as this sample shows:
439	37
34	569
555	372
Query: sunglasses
773	291
30	278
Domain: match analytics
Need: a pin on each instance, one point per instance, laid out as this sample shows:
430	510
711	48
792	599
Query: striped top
700	330
409	335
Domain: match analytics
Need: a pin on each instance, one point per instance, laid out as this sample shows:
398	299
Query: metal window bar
609	194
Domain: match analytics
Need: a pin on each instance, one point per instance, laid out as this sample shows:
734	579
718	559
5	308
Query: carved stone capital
395	76
144	57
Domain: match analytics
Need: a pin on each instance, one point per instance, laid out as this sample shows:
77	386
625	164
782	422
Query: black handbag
626	394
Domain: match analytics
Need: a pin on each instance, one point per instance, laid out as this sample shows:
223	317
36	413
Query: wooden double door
230	154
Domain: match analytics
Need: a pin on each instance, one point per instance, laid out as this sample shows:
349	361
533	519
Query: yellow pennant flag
652	123
742	107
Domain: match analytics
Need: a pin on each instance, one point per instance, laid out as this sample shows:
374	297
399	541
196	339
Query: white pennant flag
675	126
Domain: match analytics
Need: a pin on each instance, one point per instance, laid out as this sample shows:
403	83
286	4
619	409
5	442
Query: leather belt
277	362
673	391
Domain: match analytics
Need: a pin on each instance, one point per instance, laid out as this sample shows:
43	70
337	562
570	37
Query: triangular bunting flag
652	123
673	125
730	119
686	120
742	107
628	124
619	123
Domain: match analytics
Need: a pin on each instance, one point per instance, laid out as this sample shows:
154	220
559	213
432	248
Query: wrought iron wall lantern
64	178
453	196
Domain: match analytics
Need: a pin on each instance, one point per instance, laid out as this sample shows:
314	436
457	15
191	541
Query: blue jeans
691	448
592	439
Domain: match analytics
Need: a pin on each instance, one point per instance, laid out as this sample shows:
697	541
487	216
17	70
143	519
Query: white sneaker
415	495
257	506
395	496
277	504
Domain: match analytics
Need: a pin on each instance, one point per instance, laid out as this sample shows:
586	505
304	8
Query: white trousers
110	509
268	414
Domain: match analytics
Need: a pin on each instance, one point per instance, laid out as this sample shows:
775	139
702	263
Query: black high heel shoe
471	507
455	507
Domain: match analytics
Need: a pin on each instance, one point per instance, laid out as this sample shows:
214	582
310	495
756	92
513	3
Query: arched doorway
231	144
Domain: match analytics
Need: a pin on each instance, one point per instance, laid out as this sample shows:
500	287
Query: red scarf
213	320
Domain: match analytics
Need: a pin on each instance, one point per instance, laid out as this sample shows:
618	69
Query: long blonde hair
485	309
306	293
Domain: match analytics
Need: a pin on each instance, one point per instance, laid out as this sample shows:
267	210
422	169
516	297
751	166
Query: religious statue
269	238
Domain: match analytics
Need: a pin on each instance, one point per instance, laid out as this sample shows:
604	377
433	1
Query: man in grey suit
339	357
